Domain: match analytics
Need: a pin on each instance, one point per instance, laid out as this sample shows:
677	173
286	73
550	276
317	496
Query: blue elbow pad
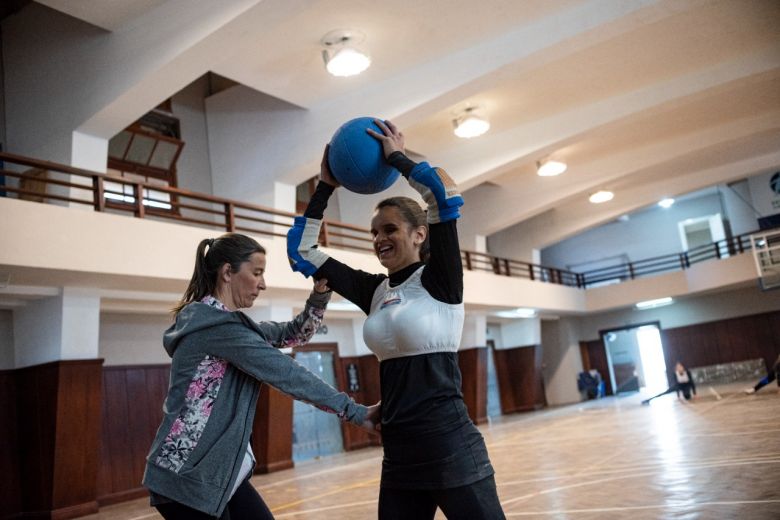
438	190
302	250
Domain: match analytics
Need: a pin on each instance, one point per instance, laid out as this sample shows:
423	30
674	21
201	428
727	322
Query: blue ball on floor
356	159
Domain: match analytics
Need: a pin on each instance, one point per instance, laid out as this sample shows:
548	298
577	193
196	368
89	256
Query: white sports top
406	320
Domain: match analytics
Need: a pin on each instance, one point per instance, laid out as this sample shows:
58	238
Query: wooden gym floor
716	458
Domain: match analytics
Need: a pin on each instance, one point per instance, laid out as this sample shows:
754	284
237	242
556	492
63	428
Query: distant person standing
684	384
771	376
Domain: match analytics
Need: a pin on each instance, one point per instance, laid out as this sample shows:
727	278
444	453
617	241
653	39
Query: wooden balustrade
208	211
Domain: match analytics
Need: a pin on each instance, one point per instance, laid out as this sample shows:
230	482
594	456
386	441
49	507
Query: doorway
702	231
635	357
316	433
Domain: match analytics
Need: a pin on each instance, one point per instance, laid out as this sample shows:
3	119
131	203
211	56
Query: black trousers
474	501
246	504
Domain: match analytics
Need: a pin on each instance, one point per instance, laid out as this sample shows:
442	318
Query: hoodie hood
194	318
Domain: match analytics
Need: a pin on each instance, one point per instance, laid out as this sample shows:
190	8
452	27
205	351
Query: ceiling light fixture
470	124
550	168
520	312
341	56
651	304
601	196
666	203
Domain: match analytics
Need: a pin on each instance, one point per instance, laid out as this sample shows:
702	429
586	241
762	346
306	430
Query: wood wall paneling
519	378
272	431
368	393
131	412
724	341
473	369
11	490
58	421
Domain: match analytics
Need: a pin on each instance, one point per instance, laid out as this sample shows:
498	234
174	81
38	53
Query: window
147	152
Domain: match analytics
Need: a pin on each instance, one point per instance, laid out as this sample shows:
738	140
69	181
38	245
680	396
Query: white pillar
474	331
61	327
480	243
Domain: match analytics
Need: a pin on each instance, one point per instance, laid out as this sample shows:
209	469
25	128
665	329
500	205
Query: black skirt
440	461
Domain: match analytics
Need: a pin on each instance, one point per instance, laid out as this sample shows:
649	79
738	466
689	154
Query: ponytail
231	248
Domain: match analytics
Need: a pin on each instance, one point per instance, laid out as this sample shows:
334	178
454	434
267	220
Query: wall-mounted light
601	196
470	124
666	203
550	167
651	304
342	57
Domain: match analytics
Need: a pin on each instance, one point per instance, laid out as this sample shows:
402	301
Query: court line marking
715	393
647	467
548	491
640	508
326	508
149	515
373	460
336	491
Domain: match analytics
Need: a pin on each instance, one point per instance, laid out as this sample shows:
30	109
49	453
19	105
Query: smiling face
240	289
396	242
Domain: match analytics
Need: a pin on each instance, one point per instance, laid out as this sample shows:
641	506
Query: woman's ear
225	272
420	234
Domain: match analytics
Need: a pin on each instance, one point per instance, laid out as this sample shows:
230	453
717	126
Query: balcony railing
61	184
667	263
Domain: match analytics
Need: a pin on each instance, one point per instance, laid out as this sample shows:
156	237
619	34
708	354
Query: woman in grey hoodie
201	459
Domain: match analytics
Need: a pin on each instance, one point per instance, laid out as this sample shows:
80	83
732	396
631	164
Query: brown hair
412	214
230	248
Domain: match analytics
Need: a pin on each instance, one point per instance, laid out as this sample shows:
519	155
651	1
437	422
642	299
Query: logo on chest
391	298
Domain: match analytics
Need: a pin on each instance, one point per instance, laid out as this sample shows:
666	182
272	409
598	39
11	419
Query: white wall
645	234
194	165
251	137
6	339
739	207
132	339
38	331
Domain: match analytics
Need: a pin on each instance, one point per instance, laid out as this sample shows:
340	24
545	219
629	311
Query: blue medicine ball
356	159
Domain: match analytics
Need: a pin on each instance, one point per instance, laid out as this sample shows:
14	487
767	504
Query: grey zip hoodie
219	360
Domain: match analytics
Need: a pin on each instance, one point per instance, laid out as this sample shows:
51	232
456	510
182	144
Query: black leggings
477	500
685	388
768	379
246	504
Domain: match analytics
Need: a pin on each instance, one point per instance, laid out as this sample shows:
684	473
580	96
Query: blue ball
356	159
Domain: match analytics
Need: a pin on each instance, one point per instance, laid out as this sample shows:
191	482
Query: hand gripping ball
356	159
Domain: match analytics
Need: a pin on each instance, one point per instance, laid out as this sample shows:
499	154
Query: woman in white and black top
683	384
434	456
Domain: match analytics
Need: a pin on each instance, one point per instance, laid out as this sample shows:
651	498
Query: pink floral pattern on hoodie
187	428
